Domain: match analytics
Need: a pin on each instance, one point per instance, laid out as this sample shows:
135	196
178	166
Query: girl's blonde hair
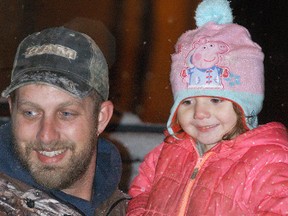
240	126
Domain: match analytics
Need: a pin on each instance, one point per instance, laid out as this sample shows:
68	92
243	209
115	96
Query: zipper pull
195	172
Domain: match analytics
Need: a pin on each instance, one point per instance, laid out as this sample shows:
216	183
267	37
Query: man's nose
48	132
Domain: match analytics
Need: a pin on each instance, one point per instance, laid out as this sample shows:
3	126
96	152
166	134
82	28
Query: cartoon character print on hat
202	65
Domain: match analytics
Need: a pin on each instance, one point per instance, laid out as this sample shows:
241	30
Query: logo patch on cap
53	49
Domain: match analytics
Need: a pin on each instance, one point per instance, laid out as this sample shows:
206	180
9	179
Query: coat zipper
189	186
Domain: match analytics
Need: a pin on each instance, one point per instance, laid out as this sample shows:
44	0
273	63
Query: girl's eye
216	100
187	101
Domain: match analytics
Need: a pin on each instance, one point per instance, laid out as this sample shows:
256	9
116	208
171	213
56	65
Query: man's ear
10	105
105	114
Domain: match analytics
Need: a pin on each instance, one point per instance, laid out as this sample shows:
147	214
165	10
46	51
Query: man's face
55	134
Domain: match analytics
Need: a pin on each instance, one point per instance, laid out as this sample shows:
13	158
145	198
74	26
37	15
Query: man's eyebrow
63	104
26	102
70	103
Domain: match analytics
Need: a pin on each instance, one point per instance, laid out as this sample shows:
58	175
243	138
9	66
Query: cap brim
63	81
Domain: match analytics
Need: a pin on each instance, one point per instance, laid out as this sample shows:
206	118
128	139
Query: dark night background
267	22
145	32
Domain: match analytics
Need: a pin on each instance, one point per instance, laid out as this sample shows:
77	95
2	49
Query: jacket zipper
189	186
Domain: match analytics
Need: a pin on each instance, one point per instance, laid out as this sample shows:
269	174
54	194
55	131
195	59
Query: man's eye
216	100
30	113
67	114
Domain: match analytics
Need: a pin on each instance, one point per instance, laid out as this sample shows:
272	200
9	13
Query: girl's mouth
206	128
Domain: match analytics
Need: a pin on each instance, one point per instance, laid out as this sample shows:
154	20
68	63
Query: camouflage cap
61	57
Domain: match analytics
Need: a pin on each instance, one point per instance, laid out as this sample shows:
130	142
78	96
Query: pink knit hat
218	59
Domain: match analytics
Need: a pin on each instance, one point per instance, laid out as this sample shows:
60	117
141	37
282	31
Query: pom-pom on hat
217	59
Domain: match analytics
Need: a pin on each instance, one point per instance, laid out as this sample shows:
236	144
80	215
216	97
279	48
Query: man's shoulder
115	205
107	154
5	133
5	139
18	198
106	146
7	157
9	162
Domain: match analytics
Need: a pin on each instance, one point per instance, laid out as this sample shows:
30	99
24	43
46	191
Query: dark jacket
20	193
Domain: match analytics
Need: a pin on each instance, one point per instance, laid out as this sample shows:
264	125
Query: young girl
215	159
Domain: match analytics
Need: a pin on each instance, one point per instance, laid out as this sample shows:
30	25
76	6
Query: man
52	162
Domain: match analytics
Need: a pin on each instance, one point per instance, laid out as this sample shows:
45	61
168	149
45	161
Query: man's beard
54	176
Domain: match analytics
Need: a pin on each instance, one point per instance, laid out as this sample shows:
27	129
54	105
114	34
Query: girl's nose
201	110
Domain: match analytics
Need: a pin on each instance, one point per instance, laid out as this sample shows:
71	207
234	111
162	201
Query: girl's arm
267	180
270	189
141	186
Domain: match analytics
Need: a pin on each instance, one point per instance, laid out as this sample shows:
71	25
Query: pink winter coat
244	176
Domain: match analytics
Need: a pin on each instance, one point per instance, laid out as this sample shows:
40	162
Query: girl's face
206	119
